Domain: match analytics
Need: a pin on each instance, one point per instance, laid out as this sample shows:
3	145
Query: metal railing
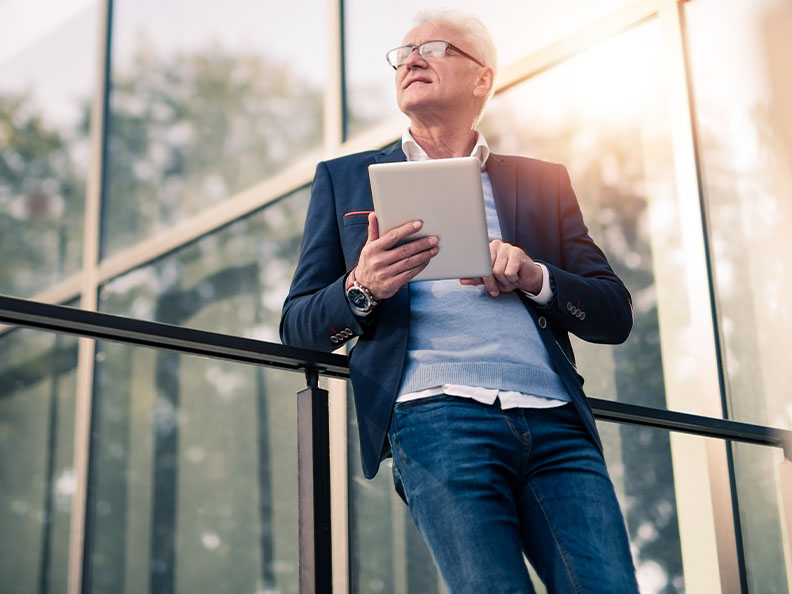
312	407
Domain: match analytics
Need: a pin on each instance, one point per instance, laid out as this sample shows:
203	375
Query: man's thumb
373	227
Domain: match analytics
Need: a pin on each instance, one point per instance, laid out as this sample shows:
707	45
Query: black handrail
59	318
102	326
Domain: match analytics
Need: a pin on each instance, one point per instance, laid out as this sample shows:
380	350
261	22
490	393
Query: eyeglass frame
418	47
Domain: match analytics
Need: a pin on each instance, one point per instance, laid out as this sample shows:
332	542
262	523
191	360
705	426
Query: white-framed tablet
446	194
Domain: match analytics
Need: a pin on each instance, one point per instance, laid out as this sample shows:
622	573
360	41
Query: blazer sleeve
316	314
589	300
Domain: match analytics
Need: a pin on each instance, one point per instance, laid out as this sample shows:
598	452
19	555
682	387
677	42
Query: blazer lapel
391	154
503	177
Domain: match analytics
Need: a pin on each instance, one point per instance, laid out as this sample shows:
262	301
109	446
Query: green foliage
187	131
41	199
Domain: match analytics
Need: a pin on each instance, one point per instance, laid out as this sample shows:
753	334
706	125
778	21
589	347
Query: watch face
358	299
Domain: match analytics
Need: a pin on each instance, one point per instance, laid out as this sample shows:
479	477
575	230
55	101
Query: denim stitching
557	539
396	471
398	441
400	406
518	436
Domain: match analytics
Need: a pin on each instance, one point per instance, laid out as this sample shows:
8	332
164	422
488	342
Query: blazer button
542	322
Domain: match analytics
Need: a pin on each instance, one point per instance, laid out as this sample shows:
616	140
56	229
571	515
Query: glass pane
661	480
194	475
208	99
518	29
739	56
761	518
233	281
195	481
603	115
47	63
37	405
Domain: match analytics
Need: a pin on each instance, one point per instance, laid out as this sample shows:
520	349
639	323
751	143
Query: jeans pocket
398	484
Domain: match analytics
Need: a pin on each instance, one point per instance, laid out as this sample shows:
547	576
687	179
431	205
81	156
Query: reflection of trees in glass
609	178
189	130
232	281
747	230
186	132
37	405
41	198
367	105
744	124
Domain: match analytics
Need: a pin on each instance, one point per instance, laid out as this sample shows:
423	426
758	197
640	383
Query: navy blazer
538	211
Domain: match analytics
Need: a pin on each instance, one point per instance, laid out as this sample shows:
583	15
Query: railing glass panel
38	378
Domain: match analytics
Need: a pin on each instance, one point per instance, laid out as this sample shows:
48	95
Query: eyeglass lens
428	50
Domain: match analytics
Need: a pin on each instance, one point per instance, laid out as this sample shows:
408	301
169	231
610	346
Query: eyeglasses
427	50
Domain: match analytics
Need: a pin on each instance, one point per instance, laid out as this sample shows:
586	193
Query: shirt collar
414	152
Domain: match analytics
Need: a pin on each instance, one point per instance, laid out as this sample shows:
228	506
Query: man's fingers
513	267
508	261
410	249
406	276
491	286
397	234
398	280
420	259
506	269
373	227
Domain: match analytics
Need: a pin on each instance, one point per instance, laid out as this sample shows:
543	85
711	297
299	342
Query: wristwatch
360	298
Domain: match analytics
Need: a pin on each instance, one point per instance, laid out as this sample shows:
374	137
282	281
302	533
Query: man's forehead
430	32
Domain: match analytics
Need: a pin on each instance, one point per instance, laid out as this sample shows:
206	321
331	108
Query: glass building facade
155	160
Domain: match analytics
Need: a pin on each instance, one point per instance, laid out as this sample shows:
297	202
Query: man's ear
484	82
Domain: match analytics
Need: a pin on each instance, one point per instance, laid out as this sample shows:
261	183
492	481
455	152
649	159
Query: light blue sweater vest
461	335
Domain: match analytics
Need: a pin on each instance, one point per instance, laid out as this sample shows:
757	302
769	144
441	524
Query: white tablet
445	194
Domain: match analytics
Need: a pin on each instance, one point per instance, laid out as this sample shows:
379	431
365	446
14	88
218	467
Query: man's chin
412	103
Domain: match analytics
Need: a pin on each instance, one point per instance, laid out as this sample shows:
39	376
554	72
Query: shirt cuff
544	296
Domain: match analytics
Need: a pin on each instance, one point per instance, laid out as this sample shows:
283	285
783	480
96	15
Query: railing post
313	477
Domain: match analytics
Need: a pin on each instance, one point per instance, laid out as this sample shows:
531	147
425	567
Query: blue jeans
485	486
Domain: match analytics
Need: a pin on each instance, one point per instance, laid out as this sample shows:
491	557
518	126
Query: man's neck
441	142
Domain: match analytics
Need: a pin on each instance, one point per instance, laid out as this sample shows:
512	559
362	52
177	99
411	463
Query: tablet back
445	194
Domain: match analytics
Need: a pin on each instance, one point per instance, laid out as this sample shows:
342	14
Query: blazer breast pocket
356	217
353	235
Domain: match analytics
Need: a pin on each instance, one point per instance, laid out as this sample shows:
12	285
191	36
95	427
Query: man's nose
415	59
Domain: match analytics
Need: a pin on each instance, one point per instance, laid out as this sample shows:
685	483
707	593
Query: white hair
473	31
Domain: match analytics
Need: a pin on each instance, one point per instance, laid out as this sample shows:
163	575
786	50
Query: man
471	383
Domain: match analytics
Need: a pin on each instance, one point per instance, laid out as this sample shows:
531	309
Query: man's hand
384	268
512	269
